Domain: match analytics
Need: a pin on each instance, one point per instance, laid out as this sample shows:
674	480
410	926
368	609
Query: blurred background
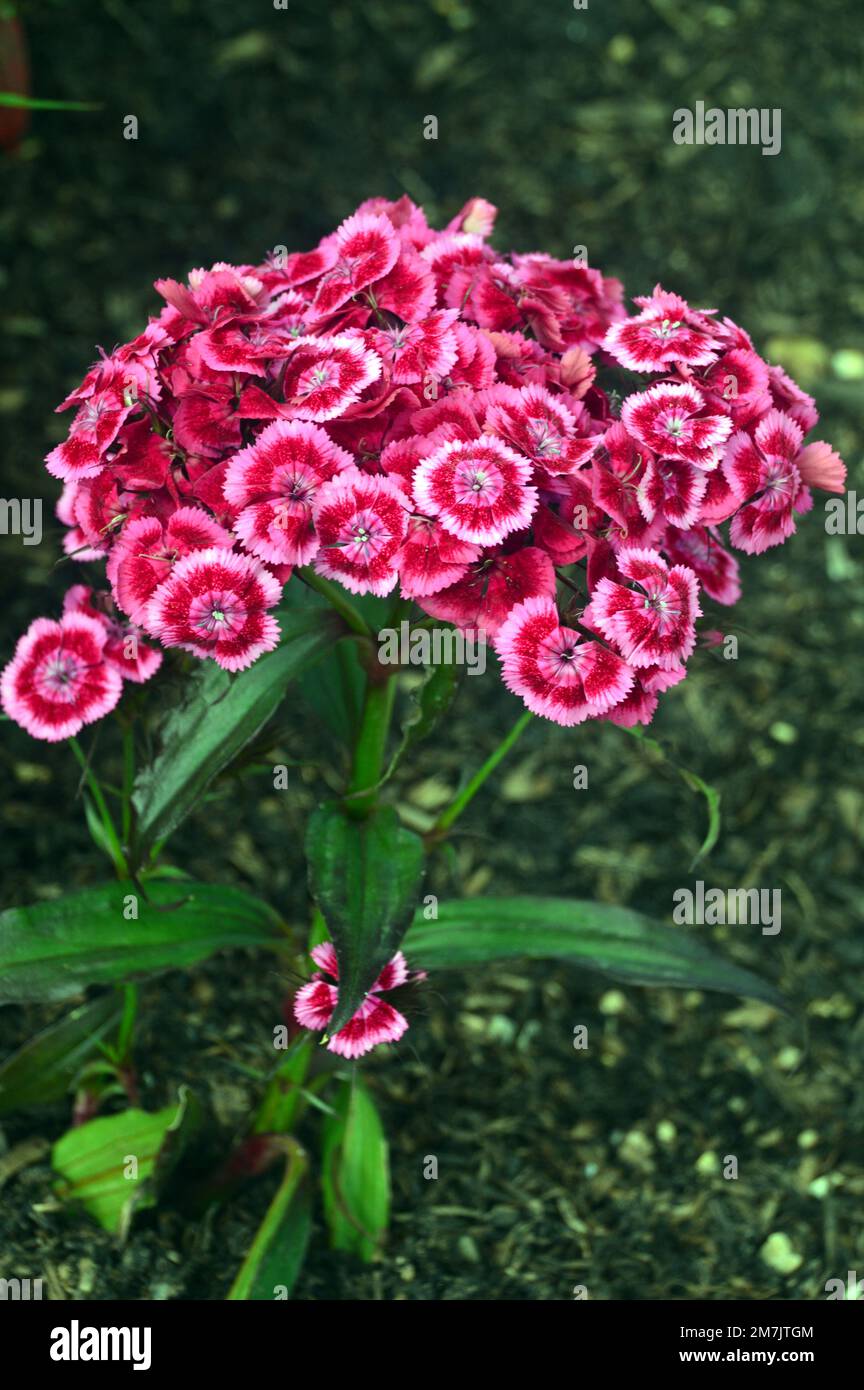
260	126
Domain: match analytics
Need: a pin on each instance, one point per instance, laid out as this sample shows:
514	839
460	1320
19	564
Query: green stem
335	596
456	807
371	745
128	780
117	856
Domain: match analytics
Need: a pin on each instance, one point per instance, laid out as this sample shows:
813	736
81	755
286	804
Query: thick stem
456	807
368	764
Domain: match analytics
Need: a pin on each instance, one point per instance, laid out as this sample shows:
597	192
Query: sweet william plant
400	426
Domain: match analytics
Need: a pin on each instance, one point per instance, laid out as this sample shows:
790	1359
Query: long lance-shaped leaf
275	1257
101	935
365	876
219	717
46	1066
612	940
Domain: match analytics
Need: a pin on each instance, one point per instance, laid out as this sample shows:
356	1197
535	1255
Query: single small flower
58	679
714	566
674	423
543	428
480	489
375	1021
367	247
653	624
360	521
274	483
416	352
667	332
94	429
763	474
490	589
214	603
555	670
324	376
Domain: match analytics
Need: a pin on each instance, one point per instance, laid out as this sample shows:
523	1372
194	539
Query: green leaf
220	715
46	103
695	783
612	940
355	1173
365	876
276	1255
283	1097
45	1068
118	1164
54	949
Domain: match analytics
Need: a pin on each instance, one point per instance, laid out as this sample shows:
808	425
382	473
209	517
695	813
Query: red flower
491	588
666	333
366	247
654	623
324	376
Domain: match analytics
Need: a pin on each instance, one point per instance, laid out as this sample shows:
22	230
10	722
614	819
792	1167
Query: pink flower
763	474
274	483
714	567
821	466
94	429
375	1021
214	603
431	559
556	672
324	376
653	624
135	659
543	427
360	521
491	588
740	380
58	679
145	551
667	332
672	421
479	488
413	352
367	247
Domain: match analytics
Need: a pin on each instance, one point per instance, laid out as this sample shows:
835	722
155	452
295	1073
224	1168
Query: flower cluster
409	411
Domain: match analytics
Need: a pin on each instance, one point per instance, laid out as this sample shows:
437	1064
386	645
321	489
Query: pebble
612	1003
779	1254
